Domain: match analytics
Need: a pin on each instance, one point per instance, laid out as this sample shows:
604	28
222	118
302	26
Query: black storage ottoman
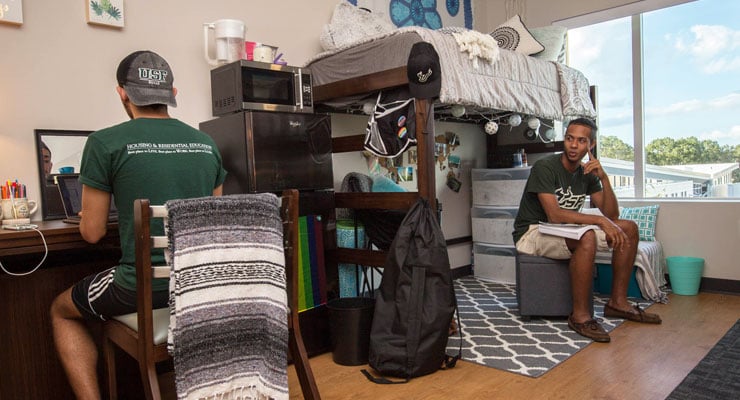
543	287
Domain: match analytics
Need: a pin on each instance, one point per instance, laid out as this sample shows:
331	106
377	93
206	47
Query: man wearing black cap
151	156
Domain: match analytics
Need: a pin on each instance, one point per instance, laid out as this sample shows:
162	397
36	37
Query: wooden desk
29	368
58	235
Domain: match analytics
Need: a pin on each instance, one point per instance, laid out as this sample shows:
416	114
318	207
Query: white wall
57	72
709	229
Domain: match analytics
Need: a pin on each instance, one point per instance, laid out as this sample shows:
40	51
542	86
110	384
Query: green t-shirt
155	159
548	175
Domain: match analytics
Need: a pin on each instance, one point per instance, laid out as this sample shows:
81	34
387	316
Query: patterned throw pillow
645	217
552	37
513	35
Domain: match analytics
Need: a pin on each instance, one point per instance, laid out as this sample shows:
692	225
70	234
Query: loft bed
486	84
347	77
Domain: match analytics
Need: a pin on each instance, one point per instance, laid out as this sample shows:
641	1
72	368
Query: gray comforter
512	82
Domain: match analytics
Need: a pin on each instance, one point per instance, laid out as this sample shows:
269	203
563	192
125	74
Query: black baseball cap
147	79
423	71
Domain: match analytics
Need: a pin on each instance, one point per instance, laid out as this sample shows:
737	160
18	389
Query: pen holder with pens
16	208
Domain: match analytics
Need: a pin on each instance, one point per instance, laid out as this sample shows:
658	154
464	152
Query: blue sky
691	75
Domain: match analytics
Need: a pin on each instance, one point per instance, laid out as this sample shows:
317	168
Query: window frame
635	11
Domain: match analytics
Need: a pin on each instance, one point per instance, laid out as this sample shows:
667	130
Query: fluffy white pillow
513	35
553	38
350	24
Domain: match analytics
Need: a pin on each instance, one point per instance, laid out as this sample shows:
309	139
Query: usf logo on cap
153	76
422	77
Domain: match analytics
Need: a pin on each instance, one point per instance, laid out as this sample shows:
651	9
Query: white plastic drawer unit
495	263
493	224
499	187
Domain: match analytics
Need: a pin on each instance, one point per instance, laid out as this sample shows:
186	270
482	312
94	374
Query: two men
555	192
150	156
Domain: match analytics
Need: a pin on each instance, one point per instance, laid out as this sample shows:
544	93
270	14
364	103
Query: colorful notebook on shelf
311	272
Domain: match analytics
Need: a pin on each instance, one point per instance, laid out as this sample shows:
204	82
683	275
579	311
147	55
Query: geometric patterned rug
494	335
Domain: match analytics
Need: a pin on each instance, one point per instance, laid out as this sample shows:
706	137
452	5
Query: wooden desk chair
143	335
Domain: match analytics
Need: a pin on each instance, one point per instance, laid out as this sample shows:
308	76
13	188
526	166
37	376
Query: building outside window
669	98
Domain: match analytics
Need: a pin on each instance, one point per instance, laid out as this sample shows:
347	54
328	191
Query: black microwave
252	85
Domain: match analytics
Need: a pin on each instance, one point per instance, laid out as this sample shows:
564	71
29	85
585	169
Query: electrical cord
46	253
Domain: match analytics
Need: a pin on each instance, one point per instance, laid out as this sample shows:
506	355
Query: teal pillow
646	217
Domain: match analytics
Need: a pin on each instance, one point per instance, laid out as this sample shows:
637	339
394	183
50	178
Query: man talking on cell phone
555	192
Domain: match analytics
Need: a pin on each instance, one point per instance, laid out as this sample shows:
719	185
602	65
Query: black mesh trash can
350	319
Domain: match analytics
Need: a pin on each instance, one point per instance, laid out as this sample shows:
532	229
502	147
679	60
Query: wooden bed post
425	147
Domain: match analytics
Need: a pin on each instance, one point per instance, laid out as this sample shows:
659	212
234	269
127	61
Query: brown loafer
637	314
590	329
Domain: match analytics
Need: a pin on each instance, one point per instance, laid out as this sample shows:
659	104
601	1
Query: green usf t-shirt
548	175
155	159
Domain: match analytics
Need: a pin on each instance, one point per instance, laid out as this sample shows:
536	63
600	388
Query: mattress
513	82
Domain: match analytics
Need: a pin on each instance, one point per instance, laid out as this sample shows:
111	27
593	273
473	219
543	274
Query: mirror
58	152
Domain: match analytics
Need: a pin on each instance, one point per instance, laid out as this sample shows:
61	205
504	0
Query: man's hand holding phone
593	166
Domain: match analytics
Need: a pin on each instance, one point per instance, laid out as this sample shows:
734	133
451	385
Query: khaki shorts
536	244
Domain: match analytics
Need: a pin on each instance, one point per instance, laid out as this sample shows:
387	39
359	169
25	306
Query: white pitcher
228	41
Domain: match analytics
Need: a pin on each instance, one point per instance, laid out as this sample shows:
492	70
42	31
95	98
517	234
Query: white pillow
553	38
513	35
350	24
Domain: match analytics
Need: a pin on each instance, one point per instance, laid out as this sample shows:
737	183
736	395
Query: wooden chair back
135	333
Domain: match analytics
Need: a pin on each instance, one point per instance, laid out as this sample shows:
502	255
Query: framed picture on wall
11	12
105	13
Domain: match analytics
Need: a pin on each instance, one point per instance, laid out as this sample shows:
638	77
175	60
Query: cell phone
20	227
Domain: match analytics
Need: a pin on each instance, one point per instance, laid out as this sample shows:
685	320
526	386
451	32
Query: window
686	91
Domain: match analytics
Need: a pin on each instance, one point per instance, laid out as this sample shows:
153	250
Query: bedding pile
477	45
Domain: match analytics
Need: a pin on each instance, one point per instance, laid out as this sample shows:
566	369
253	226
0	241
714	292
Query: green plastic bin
685	274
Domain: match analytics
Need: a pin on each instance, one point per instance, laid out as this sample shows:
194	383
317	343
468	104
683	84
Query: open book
572	231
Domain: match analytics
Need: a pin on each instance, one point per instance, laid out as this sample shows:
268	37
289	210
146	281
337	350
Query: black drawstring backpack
415	303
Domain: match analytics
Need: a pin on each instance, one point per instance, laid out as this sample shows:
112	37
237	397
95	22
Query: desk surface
58	235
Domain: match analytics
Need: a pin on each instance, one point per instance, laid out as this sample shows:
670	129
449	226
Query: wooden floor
641	362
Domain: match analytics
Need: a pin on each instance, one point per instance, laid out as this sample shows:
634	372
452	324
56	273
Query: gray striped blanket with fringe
228	301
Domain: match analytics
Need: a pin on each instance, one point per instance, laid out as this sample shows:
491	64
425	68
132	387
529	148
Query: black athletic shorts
97	297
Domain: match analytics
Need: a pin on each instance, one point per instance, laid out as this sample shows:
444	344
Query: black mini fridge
268	151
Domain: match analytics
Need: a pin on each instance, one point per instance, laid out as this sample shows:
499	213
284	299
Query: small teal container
603	281
685	274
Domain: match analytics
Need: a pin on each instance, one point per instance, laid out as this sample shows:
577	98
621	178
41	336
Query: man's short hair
587	123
